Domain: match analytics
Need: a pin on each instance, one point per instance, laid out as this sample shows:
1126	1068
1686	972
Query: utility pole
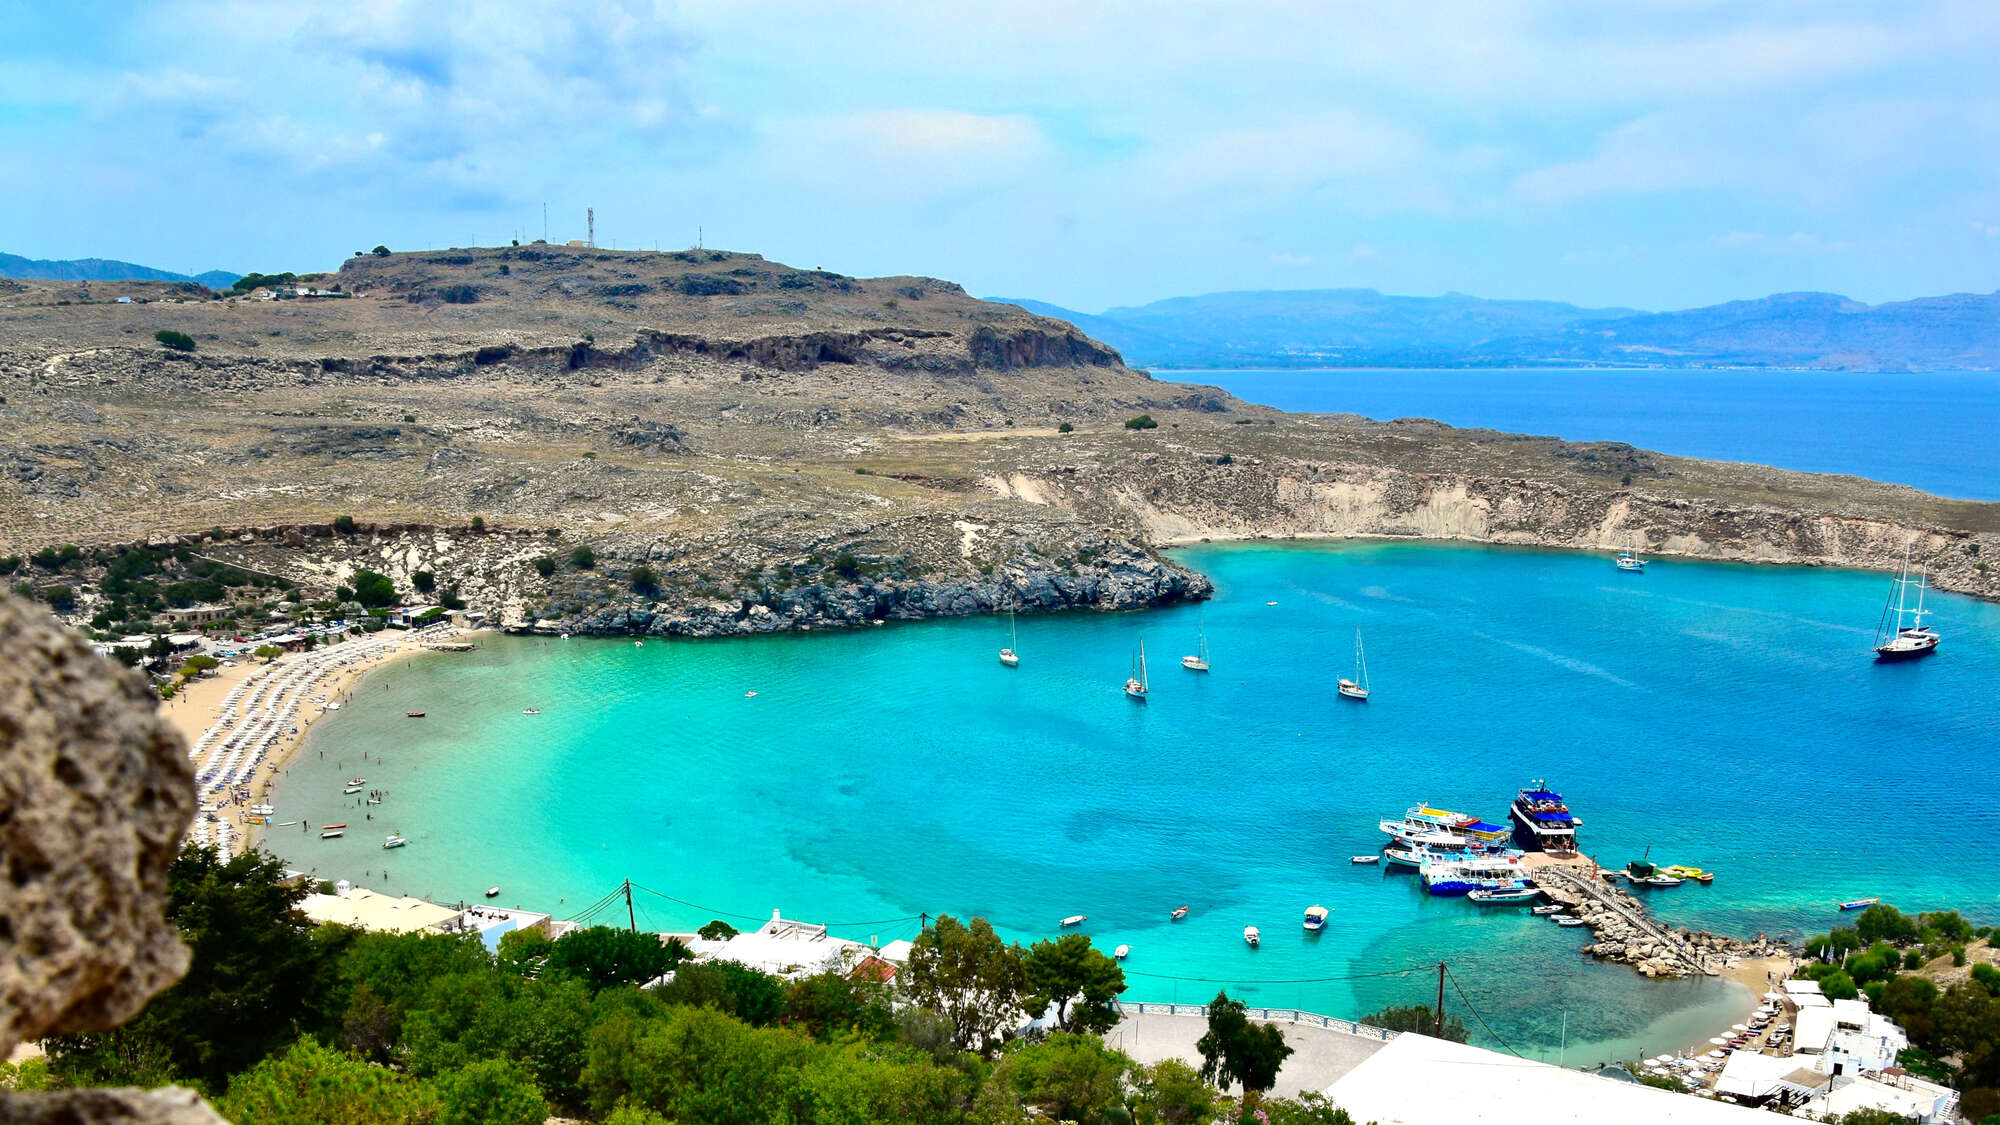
1440	1008
632	920
545	220
590	227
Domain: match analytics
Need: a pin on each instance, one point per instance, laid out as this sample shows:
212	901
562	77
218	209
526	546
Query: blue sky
1652	153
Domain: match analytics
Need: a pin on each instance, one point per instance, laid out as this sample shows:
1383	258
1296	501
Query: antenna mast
590	227
545	220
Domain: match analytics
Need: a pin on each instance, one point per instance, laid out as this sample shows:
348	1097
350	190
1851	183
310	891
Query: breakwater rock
1626	932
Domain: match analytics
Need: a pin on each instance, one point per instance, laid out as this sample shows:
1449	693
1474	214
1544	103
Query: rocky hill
740	445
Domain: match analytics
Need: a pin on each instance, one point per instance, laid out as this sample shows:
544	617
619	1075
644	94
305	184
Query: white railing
1268	1015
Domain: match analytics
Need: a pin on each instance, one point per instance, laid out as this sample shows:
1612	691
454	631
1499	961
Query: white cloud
1284	259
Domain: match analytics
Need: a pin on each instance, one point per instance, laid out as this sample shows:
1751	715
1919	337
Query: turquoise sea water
1815	421
1723	716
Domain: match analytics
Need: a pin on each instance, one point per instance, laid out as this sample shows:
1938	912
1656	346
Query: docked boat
1179	913
1643	874
1008	656
1456	875
1902	634
1356	688
1570	920
1860	904
331	827
333	833
1135	685
1542	822
1122	952
357	781
531	710
1629	560
1547	909
1251	937
1316	918
351	790
1359	859
492	892
1504	896
1073	920
1691	874
1197	661
393	842
413	714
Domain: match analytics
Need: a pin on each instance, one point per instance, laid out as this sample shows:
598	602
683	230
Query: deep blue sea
1933	430
1719	715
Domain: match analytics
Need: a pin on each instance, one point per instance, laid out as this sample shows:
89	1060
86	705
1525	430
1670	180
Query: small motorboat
1503	896
1073	920
1316	918
1660	881
493	892
413	714
374	800
1860	904
330	827
749	695
333	833
357	781
1569	920
1251	937
1549	908
531	710
1179	913
1364	859
393	842
1122	952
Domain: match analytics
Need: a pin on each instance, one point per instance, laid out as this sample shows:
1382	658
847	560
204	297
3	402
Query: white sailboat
1357	688
1136	686
1894	639
1198	661
1629	560
1007	655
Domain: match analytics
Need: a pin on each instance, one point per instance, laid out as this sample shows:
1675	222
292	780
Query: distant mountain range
1365	328
102	269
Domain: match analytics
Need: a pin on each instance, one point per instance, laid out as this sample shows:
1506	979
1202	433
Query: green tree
255	973
1417	1018
523	951
175	341
643	579
479	525
344	525
1142	422
1172	1093
491	1092
1067	971
1234	1049
424	581
380	251
716	930
267	652
1068	1077
373	590
827	1004
311	1085
583	558
757	999
1839	986
968	974
1065	428
1307	1109
1883	922
545	566
603	956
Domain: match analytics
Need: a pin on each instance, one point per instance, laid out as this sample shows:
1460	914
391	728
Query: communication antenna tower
590	227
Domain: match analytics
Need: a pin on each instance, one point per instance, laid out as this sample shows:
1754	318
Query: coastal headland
702	443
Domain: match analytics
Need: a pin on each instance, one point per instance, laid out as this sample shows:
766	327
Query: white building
785	948
376	912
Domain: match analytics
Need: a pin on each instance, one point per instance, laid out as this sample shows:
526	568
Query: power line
1287	980
720	913
1467	1001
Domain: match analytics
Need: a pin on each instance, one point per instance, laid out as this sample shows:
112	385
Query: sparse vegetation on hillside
177	341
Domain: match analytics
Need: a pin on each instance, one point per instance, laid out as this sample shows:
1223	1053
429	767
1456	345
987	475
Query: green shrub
424	581
1142	422
479	525
1065	428
643	579
178	341
545	566
344	524
380	251
583	558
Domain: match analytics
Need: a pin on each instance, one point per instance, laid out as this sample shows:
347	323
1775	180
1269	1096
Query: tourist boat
1457	875
493	892
1902	634
1073	920
531	710
393	842
1198	660
1860	904
1007	655
1179	913
1629	560
1570	920
1135	686
1250	936
1693	874
1542	821
1364	859
1549	908
1122	952
413	714
1316	918
1502	896
1357	688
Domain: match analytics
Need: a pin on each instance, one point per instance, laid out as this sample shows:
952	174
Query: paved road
1319	1054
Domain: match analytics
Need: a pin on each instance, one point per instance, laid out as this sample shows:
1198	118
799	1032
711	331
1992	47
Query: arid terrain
776	447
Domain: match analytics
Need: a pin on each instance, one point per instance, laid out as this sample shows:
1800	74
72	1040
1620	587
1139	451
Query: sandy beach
216	716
